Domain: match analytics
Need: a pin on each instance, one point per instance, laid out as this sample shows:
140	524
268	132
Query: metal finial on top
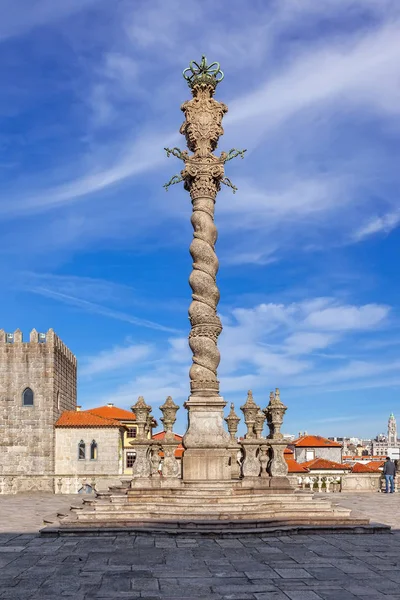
198	74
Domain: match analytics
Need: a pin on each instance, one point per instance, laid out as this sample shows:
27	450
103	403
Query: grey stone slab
292	584
327	550
230	543
60	585
337	595
111	596
116	582
25	561
335	584
139	584
14	594
9	572
262	572
212	581
226	572
248	588
327	573
302	595
171	596
288	563
240	596
6	560
162	573
298	573
180	592
277	595
393	576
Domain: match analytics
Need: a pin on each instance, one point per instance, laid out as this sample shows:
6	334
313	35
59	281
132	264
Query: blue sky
94	247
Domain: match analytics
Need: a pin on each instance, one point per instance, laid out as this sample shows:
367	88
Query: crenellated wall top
48	338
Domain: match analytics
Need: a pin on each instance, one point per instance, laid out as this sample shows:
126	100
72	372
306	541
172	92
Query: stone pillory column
206	442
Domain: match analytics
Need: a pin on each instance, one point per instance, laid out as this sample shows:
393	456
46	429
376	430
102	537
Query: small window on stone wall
130	459
58	400
93	450
310	455
27	397
81	450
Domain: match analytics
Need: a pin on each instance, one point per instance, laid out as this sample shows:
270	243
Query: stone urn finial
274	413
169	410
250	410
142	412
232	420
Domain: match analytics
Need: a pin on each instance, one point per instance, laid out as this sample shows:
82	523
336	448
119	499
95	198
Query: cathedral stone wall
109	450
48	368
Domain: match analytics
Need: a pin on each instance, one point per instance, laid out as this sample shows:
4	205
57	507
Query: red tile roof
376	465
160	435
288	451
294	466
112	412
360	468
318	464
315	441
74	418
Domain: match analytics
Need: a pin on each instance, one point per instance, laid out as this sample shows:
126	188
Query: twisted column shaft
202	175
205	324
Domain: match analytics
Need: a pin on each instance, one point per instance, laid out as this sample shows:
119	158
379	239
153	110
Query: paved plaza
304	567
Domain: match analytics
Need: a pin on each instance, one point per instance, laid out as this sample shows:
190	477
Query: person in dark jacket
389	471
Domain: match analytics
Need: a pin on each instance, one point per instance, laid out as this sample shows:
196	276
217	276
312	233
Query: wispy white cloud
115	359
87	288
18	19
334	72
341	419
341	72
384	224
92	307
305	342
269	343
342	318
144	154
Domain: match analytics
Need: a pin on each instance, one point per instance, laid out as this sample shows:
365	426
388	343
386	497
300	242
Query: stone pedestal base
206	464
156	482
255	482
206	442
277	467
280	483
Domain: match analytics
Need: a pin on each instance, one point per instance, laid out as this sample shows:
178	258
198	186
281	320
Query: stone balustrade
349	482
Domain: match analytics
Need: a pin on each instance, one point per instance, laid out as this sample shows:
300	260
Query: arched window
81	450
93	450
27	397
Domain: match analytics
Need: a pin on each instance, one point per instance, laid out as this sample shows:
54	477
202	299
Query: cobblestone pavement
304	567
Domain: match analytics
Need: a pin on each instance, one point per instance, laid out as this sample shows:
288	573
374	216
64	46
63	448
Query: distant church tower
37	383
392	431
